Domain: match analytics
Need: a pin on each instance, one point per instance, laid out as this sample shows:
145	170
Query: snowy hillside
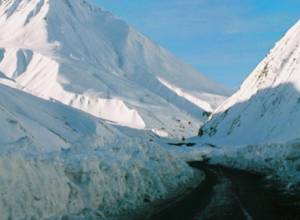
58	162
82	56
267	106
259	124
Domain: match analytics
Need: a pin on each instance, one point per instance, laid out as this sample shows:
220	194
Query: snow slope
259	124
57	162
82	56
267	106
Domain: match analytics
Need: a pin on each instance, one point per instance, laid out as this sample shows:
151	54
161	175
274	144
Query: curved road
230	194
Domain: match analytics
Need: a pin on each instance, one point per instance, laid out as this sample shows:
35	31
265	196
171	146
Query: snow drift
58	162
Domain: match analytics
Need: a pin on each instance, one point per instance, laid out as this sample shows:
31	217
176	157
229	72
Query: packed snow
85	97
58	162
83	56
278	162
81	109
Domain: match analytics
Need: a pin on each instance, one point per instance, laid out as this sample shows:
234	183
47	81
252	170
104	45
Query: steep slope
258	127
57	162
84	57
267	106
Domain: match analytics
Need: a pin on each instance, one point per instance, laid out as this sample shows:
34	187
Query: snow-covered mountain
257	128
267	106
84	57
58	162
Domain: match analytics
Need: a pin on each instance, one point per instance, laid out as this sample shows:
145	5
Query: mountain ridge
266	103
84	57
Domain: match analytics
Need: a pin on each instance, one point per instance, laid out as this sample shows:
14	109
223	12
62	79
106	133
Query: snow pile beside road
56	161
88	183
279	161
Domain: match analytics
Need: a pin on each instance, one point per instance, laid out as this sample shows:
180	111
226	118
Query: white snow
160	132
70	75
204	104
258	128
266	108
84	57
278	161
58	162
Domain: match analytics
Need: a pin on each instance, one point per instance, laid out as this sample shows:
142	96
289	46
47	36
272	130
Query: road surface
228	194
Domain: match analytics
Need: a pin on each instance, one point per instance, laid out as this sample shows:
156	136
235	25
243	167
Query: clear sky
224	39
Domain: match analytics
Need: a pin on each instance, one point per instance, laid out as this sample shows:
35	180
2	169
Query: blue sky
224	39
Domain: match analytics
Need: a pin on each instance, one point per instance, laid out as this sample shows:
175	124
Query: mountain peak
266	107
83	56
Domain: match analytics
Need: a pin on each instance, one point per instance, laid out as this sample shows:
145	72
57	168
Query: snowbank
56	161
257	128
88	182
279	161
